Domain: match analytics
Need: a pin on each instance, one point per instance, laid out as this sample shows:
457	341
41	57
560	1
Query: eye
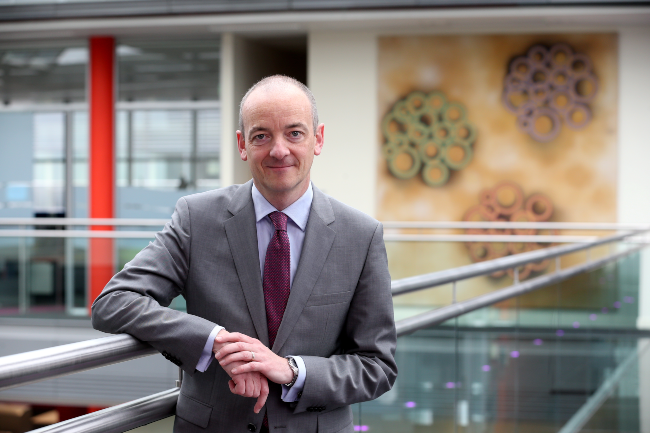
295	134
259	137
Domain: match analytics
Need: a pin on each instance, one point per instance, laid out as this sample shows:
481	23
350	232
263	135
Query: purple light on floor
538	342
628	300
486	368
576	325
593	317
361	428
514	354
559	332
410	404
604	310
617	304
450	385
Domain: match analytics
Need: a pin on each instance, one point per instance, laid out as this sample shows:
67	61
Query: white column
227	99
342	74
634	145
634	172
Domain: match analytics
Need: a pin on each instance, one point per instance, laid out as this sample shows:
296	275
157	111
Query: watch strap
294	368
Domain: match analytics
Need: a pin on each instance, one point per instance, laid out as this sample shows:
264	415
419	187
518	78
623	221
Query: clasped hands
250	365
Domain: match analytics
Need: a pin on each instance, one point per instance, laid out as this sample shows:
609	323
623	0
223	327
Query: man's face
278	141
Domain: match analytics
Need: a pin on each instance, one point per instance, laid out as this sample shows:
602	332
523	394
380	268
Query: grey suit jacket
339	316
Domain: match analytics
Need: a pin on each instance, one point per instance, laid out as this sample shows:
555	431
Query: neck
284	199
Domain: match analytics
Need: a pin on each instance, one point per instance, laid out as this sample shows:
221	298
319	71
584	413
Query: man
283	283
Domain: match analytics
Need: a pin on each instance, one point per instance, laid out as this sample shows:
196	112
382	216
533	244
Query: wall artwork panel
564	85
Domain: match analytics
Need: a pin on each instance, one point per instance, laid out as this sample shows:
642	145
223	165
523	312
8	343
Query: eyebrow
255	129
296	125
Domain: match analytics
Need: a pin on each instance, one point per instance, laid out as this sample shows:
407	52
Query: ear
241	145
320	139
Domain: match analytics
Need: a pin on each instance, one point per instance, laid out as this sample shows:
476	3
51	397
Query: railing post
453	292
516	275
179	381
23	296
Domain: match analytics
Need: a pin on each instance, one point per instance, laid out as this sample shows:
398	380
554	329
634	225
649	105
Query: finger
231	385
247	368
264	393
250	386
258	384
233	348
244	356
241	386
234	337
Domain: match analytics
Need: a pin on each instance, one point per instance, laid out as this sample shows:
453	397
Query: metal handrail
419	282
37	365
133	222
76	357
440	315
110	234
120	418
388	237
152	408
61	360
440	225
155	222
541	239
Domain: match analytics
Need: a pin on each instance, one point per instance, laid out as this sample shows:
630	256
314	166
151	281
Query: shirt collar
298	211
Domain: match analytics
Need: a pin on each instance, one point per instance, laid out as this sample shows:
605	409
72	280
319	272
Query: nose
279	149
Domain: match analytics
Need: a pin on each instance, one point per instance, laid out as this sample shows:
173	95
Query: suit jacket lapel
316	246
242	238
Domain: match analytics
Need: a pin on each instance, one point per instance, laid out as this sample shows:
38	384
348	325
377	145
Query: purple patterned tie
277	274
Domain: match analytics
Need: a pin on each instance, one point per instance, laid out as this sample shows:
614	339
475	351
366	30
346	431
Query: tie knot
279	220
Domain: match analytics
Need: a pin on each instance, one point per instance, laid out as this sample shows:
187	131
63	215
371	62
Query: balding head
277	83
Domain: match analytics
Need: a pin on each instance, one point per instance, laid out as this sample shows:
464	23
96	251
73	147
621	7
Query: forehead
276	103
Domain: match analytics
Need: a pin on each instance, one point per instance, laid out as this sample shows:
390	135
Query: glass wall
168	124
168	149
511	368
166	146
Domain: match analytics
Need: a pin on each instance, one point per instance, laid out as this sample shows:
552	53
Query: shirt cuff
206	357
294	393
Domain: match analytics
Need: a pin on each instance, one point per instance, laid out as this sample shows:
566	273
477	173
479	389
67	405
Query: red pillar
101	262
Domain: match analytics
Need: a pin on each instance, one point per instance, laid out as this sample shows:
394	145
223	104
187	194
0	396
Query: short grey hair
280	79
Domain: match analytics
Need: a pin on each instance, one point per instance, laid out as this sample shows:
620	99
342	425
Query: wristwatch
294	367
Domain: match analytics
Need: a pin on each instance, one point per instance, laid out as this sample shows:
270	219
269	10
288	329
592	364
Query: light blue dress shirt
298	214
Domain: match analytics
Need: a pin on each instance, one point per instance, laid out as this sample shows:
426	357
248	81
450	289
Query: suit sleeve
365	368
135	300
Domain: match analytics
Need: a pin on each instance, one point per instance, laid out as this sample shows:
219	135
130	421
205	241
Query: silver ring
253	354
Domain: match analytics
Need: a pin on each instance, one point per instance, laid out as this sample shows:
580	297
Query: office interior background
437	114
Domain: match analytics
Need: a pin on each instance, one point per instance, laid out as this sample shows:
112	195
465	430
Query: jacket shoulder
211	204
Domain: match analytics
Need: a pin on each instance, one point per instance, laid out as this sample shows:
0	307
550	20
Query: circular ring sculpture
554	81
406	163
506	201
428	134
